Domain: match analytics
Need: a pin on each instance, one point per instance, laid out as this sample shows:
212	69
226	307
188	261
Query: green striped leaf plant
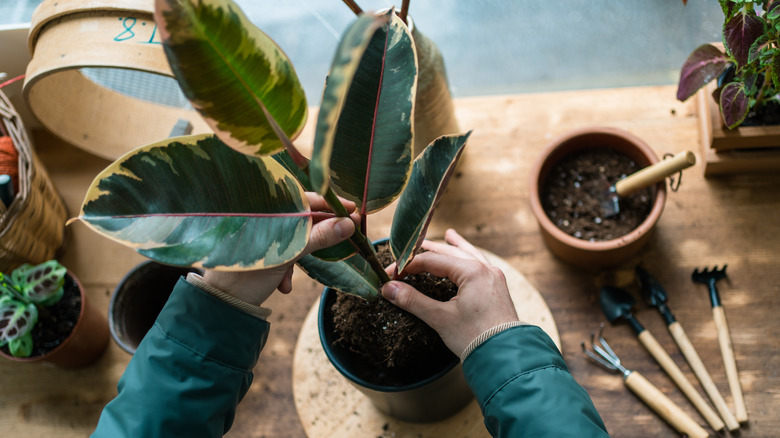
235	199
23	295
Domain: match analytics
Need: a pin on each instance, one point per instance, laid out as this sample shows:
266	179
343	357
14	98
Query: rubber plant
749	65
23	295
235	199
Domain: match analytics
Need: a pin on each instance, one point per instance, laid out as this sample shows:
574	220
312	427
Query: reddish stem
352	5
404	11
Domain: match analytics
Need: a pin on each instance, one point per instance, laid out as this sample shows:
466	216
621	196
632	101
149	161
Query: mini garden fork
602	354
710	277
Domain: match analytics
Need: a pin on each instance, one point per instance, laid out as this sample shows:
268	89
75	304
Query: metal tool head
601	353
710	277
616	303
610	203
707	275
651	289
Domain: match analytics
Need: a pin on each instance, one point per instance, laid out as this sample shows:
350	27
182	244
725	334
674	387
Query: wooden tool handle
727	351
663	406
679	336
654	173
704	378
677	376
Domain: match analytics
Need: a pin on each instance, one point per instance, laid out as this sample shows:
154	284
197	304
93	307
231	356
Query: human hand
254	287
483	299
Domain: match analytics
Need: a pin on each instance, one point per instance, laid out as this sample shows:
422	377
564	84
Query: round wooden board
329	406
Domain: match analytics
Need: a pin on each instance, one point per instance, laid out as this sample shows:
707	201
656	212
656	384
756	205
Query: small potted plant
568	182
44	316
236	200
742	76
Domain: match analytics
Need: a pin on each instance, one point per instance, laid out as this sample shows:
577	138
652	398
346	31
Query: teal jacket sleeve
525	389
190	371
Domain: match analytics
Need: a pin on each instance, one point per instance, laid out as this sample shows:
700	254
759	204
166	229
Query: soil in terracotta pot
572	192
389	339
55	322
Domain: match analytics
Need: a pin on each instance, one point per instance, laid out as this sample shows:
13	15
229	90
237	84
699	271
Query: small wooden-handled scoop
655	295
616	304
610	205
646	391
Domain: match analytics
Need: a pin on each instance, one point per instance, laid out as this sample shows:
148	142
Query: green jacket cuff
212	328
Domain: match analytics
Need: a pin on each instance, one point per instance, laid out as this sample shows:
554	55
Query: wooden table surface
732	219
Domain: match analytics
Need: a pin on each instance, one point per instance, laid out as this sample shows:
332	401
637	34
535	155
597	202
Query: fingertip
390	291
345	227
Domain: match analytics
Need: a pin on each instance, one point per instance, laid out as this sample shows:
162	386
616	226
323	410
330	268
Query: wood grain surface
729	219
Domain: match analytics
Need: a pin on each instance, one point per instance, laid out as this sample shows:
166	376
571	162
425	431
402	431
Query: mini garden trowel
616	304
655	295
610	205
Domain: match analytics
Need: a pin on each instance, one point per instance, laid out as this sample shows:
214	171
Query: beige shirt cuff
486	335
260	312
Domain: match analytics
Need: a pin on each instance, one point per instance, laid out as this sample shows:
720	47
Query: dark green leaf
353	275
193	201
758	48
430	176
774	11
775	71
363	140
232	72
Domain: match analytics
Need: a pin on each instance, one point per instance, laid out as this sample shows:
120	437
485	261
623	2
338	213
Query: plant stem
404	11
352	5
358	239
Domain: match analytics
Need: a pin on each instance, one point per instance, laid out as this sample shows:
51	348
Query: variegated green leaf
363	138
22	346
430	176
17	319
192	201
232	72
41	284
353	275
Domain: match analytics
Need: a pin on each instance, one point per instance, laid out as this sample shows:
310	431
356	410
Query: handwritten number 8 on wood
127	33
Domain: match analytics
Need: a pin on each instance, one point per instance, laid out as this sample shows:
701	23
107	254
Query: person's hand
483	299
254	287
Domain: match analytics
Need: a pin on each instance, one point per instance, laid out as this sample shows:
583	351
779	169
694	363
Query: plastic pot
433	394
583	253
85	344
138	299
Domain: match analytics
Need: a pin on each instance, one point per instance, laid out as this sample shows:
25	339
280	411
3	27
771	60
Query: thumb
329	232
413	301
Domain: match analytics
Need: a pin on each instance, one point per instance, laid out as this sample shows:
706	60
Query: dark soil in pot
56	322
572	192
392	347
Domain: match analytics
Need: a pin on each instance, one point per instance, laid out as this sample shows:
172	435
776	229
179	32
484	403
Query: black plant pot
425	395
138	299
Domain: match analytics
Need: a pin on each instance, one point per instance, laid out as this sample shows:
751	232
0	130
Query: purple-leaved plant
748	67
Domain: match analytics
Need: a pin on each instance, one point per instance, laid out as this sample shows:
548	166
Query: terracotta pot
86	342
600	254
435	393
138	299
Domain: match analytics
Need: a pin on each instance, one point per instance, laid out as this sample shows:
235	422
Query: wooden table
707	222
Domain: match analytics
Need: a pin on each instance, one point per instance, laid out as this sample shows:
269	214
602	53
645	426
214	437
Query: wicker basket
32	228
